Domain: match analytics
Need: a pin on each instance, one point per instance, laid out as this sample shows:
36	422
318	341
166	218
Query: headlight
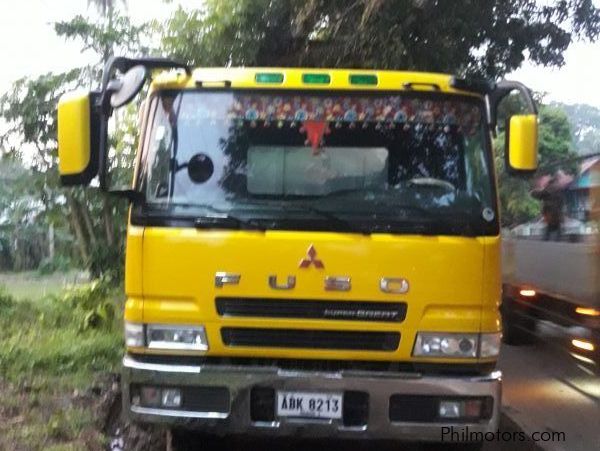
462	345
134	335
433	344
191	338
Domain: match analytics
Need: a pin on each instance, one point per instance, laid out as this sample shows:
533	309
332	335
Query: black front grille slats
311	309
310	339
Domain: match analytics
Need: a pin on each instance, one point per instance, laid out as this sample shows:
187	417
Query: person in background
549	190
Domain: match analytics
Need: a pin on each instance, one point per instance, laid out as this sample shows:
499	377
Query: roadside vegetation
57	360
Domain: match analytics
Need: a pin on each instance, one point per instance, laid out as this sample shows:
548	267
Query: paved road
195	442
545	390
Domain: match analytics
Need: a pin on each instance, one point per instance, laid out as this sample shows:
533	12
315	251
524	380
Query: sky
30	47
572	83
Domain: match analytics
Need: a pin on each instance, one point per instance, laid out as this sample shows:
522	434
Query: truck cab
310	252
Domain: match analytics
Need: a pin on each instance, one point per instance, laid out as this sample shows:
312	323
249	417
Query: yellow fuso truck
310	252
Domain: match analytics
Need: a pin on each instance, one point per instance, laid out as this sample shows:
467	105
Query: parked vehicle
309	252
557	281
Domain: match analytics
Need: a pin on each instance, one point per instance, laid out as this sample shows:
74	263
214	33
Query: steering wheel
431	182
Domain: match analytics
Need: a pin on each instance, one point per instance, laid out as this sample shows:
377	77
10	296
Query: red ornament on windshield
315	130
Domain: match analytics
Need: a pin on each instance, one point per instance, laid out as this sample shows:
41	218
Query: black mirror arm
131	195
504	88
123	64
110	85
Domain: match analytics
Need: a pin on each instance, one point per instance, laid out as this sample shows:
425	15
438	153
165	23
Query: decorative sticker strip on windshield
389	110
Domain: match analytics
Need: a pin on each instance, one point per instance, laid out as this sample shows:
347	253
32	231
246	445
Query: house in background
578	198
582	196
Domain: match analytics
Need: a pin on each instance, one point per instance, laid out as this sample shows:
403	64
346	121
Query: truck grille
312	309
310	339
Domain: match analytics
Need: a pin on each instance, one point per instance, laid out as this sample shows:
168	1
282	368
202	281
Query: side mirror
522	143
521	129
78	138
124	89
83	119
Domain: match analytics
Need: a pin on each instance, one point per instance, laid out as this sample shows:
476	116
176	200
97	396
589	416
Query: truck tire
518	325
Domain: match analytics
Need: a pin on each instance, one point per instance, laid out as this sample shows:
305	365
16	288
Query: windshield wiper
222	218
211	221
349	191
343	223
219	217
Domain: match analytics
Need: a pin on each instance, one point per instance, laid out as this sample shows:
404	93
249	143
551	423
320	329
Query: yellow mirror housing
522	143
77	139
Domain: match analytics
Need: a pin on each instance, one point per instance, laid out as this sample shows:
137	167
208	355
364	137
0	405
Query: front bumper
241	380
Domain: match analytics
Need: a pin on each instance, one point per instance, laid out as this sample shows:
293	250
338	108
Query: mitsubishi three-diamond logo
311	259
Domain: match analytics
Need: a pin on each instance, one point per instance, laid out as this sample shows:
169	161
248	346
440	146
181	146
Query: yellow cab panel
452	279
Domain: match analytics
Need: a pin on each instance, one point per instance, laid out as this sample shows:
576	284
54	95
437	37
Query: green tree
29	111
114	34
35	205
555	144
106	7
585	120
484	37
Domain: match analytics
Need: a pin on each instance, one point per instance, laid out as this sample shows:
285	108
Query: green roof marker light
316	79
363	79
269	77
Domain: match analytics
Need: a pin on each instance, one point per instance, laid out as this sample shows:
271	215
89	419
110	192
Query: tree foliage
483	37
93	222
114	36
29	201
585	120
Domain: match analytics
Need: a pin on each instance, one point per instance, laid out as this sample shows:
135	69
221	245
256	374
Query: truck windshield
410	162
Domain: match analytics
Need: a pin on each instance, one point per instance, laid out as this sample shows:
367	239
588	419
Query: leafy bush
76	333
107	262
6	299
58	263
93	303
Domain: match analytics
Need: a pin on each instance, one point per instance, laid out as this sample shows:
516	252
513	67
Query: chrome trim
266	424
311	259
396	285
337	283
222	278
177	413
131	363
290	283
241	379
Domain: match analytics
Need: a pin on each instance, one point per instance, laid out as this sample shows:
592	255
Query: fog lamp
450	409
456	409
171	397
150	397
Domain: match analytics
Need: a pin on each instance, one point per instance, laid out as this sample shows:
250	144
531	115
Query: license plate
309	405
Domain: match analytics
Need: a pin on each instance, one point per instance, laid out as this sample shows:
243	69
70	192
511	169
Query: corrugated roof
587	164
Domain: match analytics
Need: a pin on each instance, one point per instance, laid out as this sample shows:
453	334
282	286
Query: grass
32	285
51	354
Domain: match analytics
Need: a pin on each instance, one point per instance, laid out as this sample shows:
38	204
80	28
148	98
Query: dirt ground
32	419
